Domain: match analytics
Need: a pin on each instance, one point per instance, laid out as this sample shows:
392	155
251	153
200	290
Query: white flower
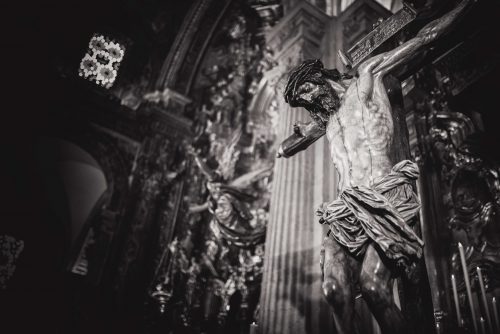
98	43
106	75
88	66
115	51
102	57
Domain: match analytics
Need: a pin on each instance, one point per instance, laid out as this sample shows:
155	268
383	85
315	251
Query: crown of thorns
307	72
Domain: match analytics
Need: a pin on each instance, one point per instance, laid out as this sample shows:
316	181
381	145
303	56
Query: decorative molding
170	99
181	44
200	44
304	23
298	36
172	125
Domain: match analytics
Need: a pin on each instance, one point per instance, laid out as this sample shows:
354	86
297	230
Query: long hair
311	70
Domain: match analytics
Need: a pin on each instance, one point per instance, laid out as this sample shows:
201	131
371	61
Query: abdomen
360	137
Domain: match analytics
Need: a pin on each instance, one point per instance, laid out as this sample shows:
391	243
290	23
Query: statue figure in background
227	201
370	232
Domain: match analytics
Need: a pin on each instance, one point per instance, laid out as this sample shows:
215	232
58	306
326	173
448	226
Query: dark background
37	38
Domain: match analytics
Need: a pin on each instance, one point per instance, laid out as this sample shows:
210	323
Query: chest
361	122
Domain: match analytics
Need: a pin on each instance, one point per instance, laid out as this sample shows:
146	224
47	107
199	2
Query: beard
323	107
319	115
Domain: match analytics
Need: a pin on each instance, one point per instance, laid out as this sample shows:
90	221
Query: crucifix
370	239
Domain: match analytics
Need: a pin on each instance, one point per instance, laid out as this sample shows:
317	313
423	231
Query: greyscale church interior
251	167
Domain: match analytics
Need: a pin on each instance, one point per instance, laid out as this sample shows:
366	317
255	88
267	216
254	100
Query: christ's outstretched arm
386	62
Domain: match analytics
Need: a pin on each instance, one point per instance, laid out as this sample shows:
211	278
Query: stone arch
102	227
181	64
74	181
104	149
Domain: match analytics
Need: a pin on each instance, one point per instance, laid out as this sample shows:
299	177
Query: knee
334	293
372	290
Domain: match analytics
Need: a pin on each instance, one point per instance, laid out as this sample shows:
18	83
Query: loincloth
381	214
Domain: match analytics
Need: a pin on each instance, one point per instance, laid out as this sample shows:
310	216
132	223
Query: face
309	92
319	99
214	189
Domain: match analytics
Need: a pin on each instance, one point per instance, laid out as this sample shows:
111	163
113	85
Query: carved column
291	299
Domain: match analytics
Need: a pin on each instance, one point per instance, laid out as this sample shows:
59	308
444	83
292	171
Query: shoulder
351	91
369	65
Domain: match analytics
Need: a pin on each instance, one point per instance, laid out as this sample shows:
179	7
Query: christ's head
315	88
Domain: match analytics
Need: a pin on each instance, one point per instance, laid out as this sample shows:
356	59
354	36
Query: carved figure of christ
370	224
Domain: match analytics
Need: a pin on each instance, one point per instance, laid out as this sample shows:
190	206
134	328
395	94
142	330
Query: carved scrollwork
470	188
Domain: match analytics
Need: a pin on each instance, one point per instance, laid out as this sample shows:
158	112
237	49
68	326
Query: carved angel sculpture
227	201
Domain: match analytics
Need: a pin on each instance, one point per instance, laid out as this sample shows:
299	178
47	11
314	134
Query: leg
340	271
375	281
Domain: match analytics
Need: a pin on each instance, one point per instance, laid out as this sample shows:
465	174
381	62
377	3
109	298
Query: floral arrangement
102	60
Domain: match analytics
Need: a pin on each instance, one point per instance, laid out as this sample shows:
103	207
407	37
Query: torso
360	135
